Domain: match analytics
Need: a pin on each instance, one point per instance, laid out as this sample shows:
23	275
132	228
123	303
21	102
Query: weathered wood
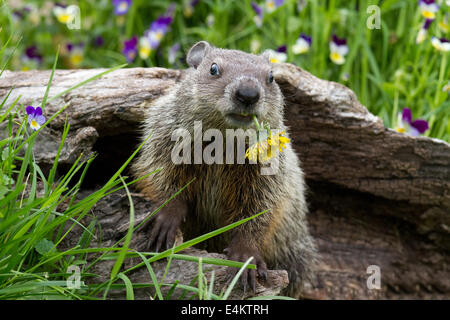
111	213
376	196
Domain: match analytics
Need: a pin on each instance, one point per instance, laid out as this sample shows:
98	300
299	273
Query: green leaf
128	286
127	240
44	246
3	191
235	279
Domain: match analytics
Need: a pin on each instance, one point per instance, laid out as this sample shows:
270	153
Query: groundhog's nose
248	96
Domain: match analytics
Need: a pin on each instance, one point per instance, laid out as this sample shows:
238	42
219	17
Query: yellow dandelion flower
262	150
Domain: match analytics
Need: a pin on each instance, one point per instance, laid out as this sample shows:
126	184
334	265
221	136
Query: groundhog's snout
247	96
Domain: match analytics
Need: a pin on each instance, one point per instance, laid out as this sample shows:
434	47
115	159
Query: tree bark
377	197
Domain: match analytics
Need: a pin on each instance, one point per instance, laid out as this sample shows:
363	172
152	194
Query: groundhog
225	89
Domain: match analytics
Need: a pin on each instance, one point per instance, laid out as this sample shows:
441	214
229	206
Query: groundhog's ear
197	53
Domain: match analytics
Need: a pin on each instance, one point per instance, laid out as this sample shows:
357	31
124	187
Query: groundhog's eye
270	77
214	69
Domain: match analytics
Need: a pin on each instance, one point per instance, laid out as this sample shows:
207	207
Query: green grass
32	227
385	67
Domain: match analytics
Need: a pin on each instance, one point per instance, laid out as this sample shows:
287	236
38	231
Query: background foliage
386	68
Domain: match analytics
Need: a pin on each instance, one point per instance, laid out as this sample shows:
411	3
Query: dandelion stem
258	127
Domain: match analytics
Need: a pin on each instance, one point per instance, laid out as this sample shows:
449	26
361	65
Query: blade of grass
52	172
98	76
235	279
211	286
127	240
197	240
128	286
152	276
47	90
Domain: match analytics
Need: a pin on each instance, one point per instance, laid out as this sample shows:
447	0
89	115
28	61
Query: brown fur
224	193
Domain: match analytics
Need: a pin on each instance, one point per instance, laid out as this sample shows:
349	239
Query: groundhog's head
233	86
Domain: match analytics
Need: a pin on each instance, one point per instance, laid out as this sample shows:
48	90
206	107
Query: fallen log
377	197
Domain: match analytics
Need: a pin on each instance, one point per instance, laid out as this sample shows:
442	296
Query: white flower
301	46
276	57
338	52
440	44
421	36
270	5
145	47
258	21
64	15
255	45
428	10
210	20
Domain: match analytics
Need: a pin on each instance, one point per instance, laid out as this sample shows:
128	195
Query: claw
161	238
240	251
252	277
244	281
170	238
165	225
153	235
264	275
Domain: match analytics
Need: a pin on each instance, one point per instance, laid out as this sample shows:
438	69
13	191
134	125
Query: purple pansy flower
441	44
130	49
157	30
427	24
153	36
121	6
338	41
272	5
19	15
302	44
31	58
421	36
428	8
71	47
33	54
258	10
278	55
64	14
99	41
35	117
188	9
407	125
338	49
282	49
173	52
76	53
60	4
258	19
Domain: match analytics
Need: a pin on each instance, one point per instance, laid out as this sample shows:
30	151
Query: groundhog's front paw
165	223
241	251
